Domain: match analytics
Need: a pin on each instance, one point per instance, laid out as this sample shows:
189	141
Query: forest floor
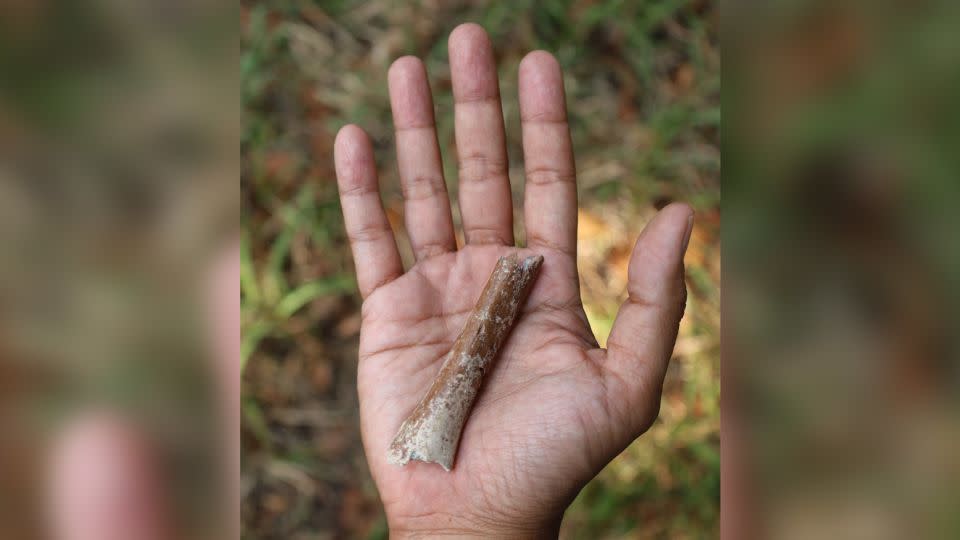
643	88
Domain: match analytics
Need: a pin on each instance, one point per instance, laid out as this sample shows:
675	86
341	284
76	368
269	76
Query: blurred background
119	130
643	88
842	270
118	186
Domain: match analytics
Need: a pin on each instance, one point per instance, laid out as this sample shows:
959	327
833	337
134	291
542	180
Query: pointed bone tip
533	261
514	260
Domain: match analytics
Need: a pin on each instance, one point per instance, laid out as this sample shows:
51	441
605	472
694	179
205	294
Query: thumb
641	341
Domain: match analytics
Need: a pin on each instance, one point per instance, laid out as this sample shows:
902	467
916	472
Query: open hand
555	408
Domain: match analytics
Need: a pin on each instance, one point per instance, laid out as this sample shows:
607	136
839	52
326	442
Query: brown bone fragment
432	431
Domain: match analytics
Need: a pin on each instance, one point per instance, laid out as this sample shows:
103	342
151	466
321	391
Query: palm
554	408
528	431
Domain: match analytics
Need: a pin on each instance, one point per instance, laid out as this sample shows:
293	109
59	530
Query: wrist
460	527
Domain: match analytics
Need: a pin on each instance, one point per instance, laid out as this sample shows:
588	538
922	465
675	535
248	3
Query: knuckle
370	232
546	176
542	241
422	187
485	235
478	168
546	117
431	249
357	189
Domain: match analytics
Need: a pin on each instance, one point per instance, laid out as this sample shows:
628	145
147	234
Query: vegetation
643	88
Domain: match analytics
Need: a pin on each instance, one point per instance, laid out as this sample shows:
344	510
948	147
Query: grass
643	82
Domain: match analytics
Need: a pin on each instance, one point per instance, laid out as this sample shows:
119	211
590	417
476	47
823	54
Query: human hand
555	408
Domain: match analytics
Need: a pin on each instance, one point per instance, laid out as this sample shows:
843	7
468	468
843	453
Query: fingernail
686	234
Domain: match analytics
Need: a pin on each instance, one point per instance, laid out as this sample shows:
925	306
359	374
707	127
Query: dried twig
432	431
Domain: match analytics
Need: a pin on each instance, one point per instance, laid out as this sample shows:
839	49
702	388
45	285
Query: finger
106	485
426	203
371	238
485	202
550	200
641	341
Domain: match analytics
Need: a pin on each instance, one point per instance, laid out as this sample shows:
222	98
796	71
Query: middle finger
485	202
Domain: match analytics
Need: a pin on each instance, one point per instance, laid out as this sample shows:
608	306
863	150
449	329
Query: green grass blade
308	292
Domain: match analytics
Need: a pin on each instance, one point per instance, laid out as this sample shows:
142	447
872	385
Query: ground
643	88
